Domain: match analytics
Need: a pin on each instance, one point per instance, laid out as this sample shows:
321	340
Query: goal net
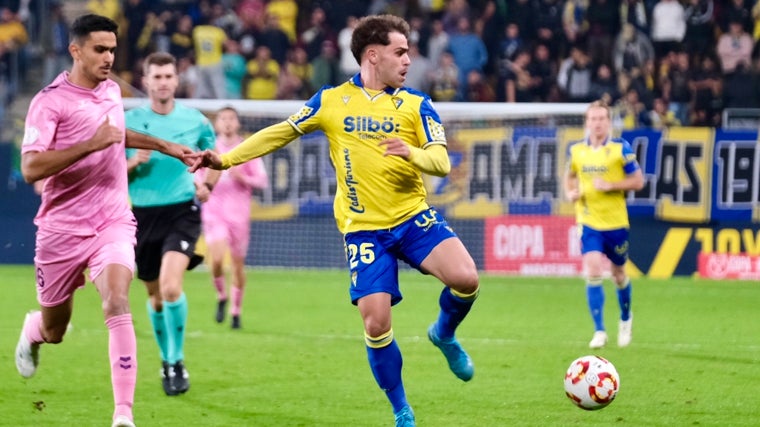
506	161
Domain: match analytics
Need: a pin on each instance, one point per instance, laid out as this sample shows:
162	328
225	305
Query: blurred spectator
209	41
13	40
226	19
574	23
490	26
632	50
252	15
734	48
153	35
418	74
661	117
108	8
544	73
325	67
189	78
518	82
707	90
636	13
286	12
54	40
438	41
522	13
128	54
337	12
511	43
548	24
668	26
455	11
675	87
736	11
262	75
700	27
738	88
295	81
604	85
478	89
181	42
445	79
604	25
574	76
317	31
273	37
630	112
233	63
348	64
468	51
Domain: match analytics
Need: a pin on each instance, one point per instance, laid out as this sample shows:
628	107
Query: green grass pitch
300	359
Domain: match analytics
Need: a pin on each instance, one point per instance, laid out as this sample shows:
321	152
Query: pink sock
32	328
237	300
219	285
122	351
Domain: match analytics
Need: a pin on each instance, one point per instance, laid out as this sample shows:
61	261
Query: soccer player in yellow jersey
600	171
382	138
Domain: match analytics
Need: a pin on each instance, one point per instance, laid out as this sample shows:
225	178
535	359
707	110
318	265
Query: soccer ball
591	382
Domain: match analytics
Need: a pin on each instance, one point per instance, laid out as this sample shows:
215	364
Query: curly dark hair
374	29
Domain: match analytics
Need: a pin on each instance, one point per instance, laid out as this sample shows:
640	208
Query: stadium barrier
503	196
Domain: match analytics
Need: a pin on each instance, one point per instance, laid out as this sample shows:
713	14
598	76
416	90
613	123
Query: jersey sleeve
40	127
430	130
306	120
630	165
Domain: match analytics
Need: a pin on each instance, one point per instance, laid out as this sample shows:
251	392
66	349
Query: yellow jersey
612	161
208	41
374	191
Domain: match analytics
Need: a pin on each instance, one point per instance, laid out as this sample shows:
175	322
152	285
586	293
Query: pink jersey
231	199
90	194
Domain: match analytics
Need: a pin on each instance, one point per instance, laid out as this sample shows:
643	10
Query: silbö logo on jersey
351	184
597	169
368	128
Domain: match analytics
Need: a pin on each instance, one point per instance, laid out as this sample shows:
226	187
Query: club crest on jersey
397	101
345	99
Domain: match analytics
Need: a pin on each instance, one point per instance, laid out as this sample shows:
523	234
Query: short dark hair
159	58
374	29
90	23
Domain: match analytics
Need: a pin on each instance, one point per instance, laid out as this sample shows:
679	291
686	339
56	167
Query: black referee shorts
161	229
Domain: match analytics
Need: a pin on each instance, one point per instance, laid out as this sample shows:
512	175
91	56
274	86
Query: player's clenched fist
106	134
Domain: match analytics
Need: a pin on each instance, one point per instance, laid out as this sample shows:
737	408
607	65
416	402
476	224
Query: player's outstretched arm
36	165
203	159
141	140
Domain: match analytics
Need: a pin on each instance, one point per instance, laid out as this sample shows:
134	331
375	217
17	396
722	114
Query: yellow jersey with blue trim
374	191
612	162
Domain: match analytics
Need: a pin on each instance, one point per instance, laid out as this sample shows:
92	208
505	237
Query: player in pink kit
75	141
226	215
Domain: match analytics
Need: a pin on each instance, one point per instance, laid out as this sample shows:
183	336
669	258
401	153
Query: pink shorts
61	259
236	236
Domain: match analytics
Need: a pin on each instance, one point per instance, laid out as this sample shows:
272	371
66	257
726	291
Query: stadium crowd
657	62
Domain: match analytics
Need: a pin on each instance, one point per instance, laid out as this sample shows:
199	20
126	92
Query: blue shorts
373	256
612	243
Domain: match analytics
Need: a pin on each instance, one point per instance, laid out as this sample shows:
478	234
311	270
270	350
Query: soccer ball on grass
591	382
